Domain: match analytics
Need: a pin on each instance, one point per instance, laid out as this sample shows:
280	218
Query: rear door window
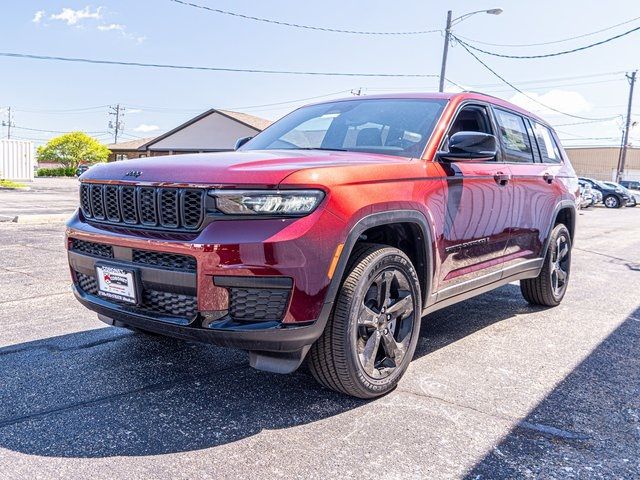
514	137
548	149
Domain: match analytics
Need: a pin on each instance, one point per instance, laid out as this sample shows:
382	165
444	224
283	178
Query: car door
535	161
477	209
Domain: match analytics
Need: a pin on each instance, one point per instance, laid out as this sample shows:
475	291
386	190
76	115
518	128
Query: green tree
73	148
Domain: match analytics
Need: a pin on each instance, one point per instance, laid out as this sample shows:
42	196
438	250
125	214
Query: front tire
611	201
372	333
549	287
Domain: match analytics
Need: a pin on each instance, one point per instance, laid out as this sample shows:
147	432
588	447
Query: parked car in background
634	198
611	197
587	192
329	235
632	185
81	169
586	195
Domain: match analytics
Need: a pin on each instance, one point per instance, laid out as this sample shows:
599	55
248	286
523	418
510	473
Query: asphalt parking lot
497	388
47	196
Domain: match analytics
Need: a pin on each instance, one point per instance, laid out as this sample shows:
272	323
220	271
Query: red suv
329	235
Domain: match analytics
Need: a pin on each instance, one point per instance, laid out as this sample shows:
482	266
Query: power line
297	25
523	93
546	55
55	131
214	69
70	110
550	42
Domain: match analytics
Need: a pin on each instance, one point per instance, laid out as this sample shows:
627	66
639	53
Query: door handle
548	177
502	178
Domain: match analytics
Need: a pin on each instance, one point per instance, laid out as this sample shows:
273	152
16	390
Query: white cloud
144	128
111	26
38	16
564	100
118	27
73	17
134	110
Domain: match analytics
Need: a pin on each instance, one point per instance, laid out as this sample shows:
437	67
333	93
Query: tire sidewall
388	257
559	230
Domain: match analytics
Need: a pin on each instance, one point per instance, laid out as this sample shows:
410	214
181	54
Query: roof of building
250	121
129	145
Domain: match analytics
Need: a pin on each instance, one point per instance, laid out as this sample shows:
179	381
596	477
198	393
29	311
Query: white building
211	131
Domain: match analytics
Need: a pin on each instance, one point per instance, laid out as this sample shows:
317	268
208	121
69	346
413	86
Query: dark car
81	169
634	197
330	234
612	197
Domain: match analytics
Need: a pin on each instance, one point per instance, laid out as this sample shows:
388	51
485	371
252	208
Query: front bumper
286	260
262	336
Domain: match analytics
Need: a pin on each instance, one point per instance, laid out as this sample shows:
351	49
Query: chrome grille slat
147	207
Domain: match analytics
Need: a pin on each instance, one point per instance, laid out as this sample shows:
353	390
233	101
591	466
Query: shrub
57	172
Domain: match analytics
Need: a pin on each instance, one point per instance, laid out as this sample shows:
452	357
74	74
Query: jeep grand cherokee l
330	234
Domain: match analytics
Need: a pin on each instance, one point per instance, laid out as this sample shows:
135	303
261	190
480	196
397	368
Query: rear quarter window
549	150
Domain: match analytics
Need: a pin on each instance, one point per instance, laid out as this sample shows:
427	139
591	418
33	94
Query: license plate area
118	283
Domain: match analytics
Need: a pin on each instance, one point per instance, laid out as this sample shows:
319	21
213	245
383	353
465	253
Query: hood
255	167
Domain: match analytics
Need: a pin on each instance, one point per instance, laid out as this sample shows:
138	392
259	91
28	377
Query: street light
447	36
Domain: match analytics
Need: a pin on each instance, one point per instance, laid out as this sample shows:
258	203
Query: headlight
267	202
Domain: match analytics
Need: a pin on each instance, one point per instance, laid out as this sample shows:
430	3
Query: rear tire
611	201
549	287
372	333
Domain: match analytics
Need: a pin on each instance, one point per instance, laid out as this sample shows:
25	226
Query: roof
129	145
449	96
250	121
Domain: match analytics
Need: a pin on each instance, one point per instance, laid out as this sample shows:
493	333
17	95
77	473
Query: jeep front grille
147	207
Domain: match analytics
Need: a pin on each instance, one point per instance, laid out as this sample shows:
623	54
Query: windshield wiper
319	148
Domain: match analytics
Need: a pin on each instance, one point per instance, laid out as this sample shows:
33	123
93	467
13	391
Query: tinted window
389	126
514	137
547	145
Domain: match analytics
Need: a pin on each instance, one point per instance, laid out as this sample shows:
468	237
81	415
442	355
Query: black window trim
492	123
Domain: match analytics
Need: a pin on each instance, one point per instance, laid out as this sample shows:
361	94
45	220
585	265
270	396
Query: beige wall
601	162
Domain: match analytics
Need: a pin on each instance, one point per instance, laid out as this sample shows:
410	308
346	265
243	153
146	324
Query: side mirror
241	141
470	146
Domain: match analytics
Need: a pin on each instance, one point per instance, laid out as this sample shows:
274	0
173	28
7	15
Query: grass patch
10	184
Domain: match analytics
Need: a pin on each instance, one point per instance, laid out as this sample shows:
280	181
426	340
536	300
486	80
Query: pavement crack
552	431
156	387
460	405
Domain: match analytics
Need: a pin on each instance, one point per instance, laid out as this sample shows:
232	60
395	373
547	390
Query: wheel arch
412	227
565	213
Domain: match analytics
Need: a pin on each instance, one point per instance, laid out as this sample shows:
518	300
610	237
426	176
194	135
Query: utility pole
445	51
625	137
116	125
8	123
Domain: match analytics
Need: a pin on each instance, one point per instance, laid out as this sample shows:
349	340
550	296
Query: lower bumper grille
257	304
153	301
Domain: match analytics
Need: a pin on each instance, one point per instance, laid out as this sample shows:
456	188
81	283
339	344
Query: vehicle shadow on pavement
587	427
111	392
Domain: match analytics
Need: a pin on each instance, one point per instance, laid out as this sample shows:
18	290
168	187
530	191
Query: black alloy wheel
371	336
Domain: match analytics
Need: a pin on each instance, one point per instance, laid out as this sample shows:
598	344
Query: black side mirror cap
467	146
241	141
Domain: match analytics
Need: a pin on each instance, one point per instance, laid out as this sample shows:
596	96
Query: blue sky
47	95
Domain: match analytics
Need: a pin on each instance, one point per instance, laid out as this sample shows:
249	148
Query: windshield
388	126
